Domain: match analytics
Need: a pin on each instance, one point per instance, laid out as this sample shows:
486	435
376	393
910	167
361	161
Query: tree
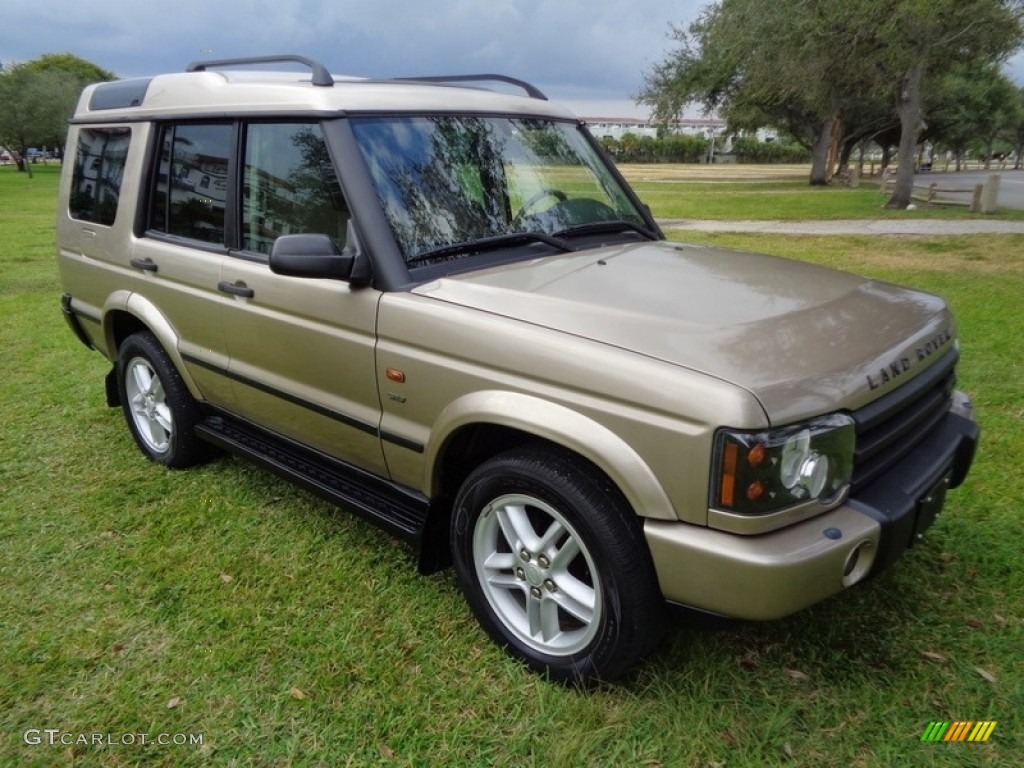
38	97
787	64
1016	132
971	103
83	71
801	65
919	38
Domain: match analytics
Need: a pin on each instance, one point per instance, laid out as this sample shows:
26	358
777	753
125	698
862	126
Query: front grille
889	428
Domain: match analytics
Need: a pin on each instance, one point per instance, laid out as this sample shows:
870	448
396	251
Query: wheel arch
481	425
125	313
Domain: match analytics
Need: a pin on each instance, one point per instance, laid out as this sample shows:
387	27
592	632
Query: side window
289	186
190	194
96	178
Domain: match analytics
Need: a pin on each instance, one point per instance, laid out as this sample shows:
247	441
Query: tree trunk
843	163
23	162
886	156
910	125
819	154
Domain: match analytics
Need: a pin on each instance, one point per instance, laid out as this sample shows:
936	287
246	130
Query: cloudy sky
590	53
580	50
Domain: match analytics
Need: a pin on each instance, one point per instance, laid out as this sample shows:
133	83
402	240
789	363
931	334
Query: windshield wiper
485	244
607	227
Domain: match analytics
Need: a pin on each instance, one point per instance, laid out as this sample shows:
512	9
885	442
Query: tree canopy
38	97
803	66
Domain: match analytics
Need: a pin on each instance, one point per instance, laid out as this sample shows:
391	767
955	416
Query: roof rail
321	76
531	90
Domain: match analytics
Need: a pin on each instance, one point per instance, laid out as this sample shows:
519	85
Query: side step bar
396	509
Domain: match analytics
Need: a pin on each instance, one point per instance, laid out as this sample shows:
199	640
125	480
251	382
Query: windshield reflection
451	180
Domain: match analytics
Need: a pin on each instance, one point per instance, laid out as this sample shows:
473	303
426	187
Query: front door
302	350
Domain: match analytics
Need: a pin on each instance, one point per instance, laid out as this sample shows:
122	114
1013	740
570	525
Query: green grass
227	603
682	192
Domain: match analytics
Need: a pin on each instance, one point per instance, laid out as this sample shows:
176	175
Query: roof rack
531	90
321	76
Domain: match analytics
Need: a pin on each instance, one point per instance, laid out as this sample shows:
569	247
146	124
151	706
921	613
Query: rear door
179	258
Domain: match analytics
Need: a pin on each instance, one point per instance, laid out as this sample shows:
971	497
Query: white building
617	127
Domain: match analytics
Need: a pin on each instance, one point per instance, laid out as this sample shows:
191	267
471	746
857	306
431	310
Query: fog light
858	562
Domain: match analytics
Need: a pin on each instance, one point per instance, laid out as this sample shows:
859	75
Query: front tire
160	412
554	565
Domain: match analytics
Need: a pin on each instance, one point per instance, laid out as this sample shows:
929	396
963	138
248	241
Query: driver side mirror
317	256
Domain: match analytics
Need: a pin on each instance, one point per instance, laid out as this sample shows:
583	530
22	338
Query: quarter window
96	178
289	186
182	204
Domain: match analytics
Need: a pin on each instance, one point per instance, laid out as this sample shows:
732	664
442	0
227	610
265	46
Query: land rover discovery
439	305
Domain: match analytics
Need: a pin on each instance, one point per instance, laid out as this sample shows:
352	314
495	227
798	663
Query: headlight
755	473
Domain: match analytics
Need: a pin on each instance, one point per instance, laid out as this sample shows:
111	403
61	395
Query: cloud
599	48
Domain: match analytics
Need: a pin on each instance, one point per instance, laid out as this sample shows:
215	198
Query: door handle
236	289
146	265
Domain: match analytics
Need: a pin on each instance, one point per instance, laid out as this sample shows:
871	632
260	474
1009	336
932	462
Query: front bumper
774	574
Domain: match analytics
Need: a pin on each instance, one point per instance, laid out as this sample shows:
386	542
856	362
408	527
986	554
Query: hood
803	339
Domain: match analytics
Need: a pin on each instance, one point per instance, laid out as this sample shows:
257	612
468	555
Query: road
1011	185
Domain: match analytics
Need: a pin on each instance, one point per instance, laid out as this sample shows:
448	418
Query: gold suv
440	306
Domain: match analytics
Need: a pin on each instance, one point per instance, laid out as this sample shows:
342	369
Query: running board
392	507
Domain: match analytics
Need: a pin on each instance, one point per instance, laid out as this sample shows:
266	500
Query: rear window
99	169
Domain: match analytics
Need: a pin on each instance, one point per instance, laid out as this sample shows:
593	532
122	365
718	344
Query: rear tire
554	565
160	412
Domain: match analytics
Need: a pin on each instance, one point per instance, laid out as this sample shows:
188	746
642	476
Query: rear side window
289	186
190	195
99	169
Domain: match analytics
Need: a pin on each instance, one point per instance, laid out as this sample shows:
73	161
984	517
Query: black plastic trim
889	428
110	388
235	290
644	210
400	510
893	499
531	90
402	442
185	242
362	426
143	200
885	407
390	272
71	316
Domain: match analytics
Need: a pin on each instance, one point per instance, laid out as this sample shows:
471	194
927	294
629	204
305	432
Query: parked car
442	307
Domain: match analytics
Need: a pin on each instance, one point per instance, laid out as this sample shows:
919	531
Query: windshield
448	183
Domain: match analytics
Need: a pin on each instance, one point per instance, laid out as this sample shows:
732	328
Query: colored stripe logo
961	730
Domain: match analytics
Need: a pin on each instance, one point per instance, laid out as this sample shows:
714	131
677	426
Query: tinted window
190	194
99	168
289	186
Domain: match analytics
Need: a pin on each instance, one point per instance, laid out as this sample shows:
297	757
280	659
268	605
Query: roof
228	92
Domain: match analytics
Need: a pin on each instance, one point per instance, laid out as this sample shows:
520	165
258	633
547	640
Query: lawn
767	192
226	607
